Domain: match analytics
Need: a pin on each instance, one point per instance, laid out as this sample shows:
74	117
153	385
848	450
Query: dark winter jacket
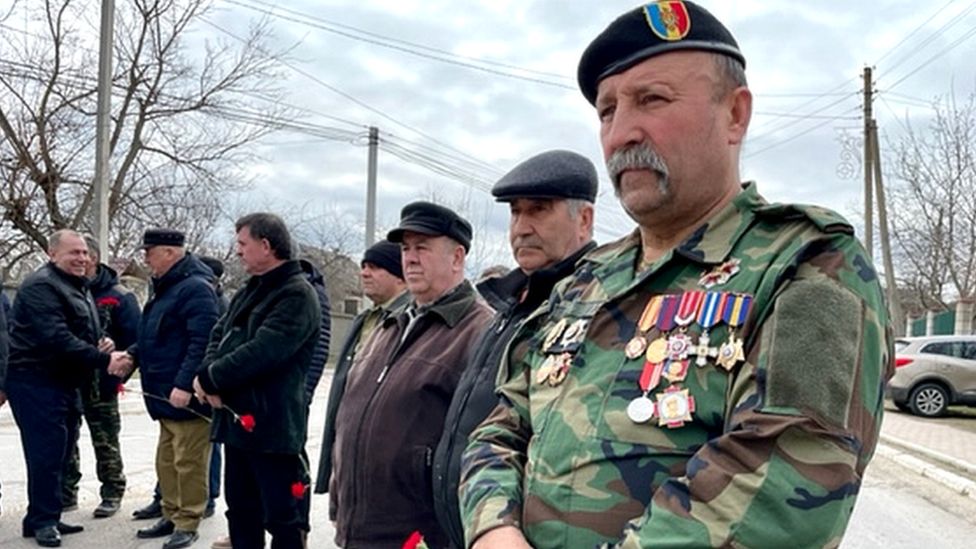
173	335
321	354
118	312
4	341
257	360
55	330
390	418
339	386
475	397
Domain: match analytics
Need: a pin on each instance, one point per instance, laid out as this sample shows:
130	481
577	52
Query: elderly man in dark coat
173	335
254	376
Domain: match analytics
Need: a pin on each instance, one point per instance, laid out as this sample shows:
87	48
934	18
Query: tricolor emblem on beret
668	20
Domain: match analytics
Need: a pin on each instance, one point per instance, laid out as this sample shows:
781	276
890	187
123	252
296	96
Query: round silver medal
641	409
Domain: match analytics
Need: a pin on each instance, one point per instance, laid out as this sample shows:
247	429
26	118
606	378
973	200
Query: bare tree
181	123
934	206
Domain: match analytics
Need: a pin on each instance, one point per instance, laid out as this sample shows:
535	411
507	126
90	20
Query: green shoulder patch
828	221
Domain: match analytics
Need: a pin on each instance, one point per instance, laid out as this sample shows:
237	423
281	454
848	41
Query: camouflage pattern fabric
772	454
101	413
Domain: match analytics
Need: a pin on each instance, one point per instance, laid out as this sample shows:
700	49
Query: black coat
321	354
339	386
118	312
173	335
54	329
4	341
257	360
475	397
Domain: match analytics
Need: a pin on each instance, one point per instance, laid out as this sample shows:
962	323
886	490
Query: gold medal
727	355
554	334
675	371
657	351
560	369
635	347
674	407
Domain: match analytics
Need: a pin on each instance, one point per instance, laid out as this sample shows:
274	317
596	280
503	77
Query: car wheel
902	406
929	400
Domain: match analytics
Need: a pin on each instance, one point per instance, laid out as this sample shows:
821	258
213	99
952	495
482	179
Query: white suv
932	373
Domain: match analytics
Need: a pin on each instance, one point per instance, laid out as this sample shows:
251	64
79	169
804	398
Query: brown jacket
390	420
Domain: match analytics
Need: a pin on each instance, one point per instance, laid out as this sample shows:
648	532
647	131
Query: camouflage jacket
765	451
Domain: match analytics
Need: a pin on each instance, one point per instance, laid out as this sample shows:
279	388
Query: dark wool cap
385	255
552	174
434	220
653	29
216	265
162	237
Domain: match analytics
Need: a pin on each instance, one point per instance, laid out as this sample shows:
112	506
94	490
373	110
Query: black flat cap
434	220
653	29
552	174
162	237
216	265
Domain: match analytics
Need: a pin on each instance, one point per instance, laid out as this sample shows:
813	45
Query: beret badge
668	20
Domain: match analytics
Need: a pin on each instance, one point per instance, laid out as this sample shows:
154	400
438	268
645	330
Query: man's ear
739	104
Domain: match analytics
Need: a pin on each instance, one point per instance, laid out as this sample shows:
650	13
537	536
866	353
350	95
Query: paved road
897	509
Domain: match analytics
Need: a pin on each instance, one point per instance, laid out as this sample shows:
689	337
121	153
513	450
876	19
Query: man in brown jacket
400	386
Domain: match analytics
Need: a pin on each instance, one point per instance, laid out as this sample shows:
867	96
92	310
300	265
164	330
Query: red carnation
247	423
298	490
414	541
107	301
120	388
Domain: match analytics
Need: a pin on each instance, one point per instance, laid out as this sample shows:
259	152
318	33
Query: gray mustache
635	157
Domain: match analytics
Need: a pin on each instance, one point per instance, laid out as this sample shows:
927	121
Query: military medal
675	371
679	344
641	409
709	315
560	369
674	407
720	274
735	311
657	350
554	334
547	366
638	344
574	333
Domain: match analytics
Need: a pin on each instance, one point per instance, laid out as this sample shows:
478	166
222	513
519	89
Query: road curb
954	462
957	483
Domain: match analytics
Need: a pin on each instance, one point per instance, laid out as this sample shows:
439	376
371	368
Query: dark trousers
258	490
47	417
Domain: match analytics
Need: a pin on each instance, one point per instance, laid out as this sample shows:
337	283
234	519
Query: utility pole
868	162
102	152
374	141
894	306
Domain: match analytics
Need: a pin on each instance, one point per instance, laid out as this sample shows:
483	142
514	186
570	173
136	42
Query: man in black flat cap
550	198
400	385
714	378
381	275
173	335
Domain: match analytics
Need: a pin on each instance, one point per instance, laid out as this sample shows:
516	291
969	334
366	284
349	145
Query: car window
969	350
957	349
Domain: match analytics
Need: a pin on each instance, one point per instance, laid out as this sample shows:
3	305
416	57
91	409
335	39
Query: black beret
385	255
552	174
655	28
162	237
434	220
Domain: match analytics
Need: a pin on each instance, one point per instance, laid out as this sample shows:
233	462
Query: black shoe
163	527
151	511
62	528
209	511
47	536
106	508
180	538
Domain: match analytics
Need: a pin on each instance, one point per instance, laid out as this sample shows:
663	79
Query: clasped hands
203	397
121	363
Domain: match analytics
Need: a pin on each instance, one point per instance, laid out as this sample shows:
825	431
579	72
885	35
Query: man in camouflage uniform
713	379
118	312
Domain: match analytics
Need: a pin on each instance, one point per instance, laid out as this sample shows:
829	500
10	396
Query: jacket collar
504	291
277	275
450	307
77	281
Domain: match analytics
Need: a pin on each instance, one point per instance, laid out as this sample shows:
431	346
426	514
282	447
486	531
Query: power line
908	36
376	42
969	34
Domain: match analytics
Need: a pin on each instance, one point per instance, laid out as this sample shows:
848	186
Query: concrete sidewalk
138	441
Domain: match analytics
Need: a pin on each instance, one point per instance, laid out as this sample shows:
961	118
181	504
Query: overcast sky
804	64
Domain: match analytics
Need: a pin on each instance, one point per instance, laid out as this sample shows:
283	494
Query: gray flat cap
552	174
